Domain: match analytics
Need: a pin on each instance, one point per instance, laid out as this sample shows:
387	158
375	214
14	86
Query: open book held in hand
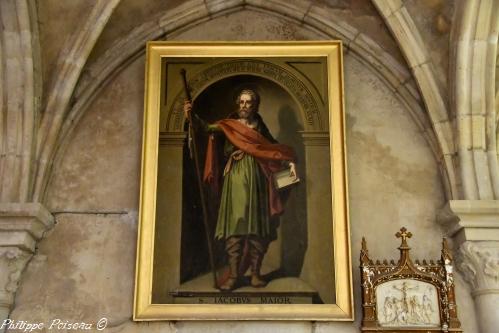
283	179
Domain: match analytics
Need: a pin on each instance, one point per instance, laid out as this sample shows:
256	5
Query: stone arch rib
19	98
407	35
71	64
475	34
304	13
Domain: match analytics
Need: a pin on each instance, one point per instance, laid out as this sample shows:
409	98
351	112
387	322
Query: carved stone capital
315	138
12	263
23	224
479	263
470	220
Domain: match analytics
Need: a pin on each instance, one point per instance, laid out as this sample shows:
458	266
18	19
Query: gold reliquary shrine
408	296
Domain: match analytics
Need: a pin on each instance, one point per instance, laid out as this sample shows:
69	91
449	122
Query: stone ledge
6	299
22	224
471	220
311	138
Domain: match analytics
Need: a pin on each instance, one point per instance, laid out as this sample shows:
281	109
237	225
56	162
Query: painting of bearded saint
249	199
237	186
245	231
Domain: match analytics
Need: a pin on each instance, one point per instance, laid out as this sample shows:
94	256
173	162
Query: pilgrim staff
194	155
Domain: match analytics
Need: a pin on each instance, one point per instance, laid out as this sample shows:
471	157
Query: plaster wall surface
58	21
84	268
362	15
127	15
104	174
433	19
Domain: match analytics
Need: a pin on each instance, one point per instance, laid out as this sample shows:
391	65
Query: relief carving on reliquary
408	296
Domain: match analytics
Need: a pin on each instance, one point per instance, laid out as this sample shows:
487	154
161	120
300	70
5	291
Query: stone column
479	262
319	215
168	225
21	226
474	227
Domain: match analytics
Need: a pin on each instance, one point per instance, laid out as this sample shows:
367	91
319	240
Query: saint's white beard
244	114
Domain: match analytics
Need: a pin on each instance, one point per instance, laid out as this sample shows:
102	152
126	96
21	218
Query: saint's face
246	107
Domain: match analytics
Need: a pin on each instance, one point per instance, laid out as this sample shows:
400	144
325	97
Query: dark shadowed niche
281	114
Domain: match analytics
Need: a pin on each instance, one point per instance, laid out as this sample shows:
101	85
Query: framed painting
244	205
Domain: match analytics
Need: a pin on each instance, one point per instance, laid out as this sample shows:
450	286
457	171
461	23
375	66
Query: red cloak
268	155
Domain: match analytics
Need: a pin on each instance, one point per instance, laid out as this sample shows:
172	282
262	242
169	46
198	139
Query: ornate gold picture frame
268	106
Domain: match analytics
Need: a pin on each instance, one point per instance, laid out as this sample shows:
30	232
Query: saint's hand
292	170
187	108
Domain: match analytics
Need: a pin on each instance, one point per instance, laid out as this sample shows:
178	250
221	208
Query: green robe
244	203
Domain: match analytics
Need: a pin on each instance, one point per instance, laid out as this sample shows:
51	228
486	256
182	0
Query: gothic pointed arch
192	13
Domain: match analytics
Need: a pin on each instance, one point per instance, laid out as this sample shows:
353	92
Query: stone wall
93	190
403	163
